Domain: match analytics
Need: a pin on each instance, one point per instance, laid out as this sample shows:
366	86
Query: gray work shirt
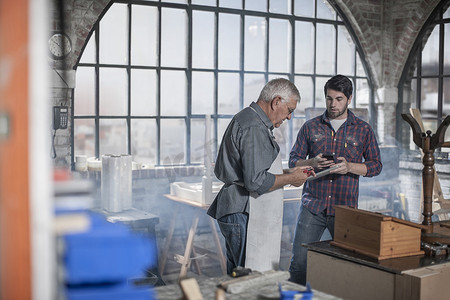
246	153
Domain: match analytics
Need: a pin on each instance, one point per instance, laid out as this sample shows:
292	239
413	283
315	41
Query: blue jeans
234	230
310	228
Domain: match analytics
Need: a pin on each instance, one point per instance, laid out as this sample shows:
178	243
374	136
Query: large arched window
427	75
153	72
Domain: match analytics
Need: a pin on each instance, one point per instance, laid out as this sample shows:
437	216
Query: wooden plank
190	289
358	237
398	239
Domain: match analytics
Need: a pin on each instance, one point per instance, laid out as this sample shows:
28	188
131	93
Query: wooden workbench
186	259
208	287
350	275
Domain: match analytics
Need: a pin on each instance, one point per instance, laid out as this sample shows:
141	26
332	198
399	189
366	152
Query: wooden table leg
166	248
222	259
189	245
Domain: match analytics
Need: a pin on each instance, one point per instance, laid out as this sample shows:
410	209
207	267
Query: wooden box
374	234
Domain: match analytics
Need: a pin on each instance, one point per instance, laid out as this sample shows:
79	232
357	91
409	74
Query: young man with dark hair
354	152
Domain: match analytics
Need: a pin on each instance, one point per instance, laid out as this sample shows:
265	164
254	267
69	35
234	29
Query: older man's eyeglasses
291	110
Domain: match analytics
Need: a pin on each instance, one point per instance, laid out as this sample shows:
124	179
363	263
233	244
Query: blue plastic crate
108	252
110	292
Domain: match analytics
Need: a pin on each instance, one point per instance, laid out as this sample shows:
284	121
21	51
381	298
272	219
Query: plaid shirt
354	140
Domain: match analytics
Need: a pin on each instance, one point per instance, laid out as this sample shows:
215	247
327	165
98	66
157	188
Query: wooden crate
374	234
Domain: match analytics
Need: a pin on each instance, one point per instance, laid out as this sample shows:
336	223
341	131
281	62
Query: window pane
173	141
430	54
113	92
446	138
113	137
447	13
144	143
228	93
253	84
255	44
231	3
88	55
447	49
274	76
229	41
279	45
320	95
143	92
359	66
413	93
144	35
361	93
259	5
199	140
281	135
305	86
296	125
114	35
202	92
325	11
175	1
173	93
174	38
84	94
203	40
84	137
280	6
304	8
429	97
204	2
304	47
346	52
325	49
222	125
446	99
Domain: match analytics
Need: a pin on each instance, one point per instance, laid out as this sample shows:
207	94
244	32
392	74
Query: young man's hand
322	162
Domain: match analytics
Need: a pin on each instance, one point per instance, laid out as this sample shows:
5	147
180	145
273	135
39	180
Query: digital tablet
322	173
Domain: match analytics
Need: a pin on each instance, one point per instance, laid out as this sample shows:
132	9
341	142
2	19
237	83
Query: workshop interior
112	115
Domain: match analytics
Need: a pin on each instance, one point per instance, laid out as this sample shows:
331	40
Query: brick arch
405	33
386	31
80	18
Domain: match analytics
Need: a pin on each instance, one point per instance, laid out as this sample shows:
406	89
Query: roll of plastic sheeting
126	174
110	186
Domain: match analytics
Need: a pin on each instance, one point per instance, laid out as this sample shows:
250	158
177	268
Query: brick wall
386	31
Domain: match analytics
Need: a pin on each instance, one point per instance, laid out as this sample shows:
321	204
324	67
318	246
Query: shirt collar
262	115
350	117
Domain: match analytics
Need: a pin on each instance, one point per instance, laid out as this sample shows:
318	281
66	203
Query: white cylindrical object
110	183
126	174
80	159
94	164
80	167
